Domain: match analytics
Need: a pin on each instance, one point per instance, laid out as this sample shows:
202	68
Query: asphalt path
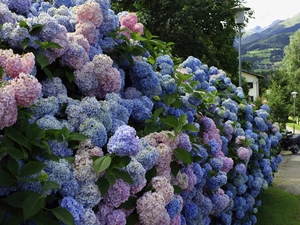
288	176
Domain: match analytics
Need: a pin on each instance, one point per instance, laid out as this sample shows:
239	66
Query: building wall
253	84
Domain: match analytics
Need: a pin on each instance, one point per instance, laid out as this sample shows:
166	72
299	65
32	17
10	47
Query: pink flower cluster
130	21
105	78
244	153
8	109
151	208
83	162
89	17
25	88
14	64
76	55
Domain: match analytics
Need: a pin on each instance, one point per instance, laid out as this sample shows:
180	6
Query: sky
267	11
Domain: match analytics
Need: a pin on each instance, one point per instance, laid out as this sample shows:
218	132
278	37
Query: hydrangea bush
99	124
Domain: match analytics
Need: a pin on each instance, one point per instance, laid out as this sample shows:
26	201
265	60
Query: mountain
264	47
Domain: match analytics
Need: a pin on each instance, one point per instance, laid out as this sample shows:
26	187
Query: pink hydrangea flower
90	12
25	88
117	194
162	184
155	139
227	164
106	78
14	64
150	208
130	21
8	109
238	139
244	153
77	54
181	180
176	220
88	30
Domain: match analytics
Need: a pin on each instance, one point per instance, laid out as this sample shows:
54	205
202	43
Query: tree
204	29
291	67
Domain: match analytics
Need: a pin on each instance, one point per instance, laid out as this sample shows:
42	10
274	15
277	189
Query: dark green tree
201	28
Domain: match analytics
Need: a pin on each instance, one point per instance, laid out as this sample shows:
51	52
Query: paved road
288	175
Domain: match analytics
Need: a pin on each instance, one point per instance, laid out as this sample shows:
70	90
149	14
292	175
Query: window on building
250	85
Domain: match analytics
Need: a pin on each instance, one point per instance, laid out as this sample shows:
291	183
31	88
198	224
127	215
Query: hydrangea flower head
8	109
150	208
124	142
14	64
117	194
90	12
25	88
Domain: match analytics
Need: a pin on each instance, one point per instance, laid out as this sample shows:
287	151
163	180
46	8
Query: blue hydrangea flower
75	208
173	207
53	87
124	142
88	194
48	122
60	148
190	210
148	155
136	171
45	106
94	130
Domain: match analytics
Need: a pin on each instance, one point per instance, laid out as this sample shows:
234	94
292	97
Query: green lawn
279	208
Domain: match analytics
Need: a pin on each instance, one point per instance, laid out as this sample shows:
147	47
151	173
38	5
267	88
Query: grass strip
278	208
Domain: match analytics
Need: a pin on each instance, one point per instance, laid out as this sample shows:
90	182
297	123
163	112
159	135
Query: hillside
264	47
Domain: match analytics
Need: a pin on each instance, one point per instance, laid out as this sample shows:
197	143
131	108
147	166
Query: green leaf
150	174
190	127
182	119
123	175
15	153
12	221
132	219
31	168
25	43
47	44
101	164
177	189
47	72
16	199
17	137
168	99
111	178
24	24
157	112
129	204
76	137
183	155
48	185
70	75
175	167
103	185
13	166
42	60
36	29
6	179
33	204
170	120
64	215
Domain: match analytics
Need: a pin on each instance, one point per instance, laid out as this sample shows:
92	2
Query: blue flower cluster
216	189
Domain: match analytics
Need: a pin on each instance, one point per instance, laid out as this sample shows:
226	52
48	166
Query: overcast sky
267	11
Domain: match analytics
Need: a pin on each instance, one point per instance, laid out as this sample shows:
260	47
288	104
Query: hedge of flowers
99	125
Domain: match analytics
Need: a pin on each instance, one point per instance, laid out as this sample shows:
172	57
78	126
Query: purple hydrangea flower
124	142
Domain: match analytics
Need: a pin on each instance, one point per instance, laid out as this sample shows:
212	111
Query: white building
253	84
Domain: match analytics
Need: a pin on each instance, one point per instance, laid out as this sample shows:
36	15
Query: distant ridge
264	47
